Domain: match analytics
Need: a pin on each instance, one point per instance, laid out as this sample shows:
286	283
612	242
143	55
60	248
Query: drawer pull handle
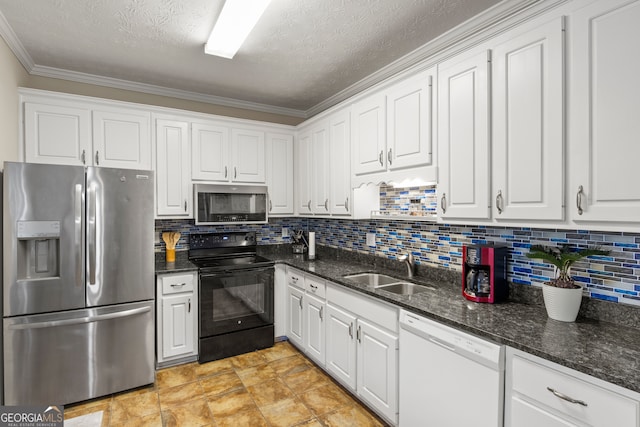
314	287
178	285
565	397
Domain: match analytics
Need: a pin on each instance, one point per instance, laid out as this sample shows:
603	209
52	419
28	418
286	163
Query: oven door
235	300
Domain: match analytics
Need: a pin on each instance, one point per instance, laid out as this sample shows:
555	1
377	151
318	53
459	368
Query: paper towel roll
312	245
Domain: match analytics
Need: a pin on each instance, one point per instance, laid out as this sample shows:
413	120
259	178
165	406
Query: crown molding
426	55
16	46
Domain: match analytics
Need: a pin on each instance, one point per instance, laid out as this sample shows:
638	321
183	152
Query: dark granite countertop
602	349
182	263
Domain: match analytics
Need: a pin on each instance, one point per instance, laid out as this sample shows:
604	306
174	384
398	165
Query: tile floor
277	386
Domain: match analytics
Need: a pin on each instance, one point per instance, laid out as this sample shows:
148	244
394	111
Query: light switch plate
371	240
285	232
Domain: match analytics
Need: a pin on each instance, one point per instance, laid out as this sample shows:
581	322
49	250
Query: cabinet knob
189	305
270	205
380	157
499	202
185	205
84	157
321	308
225	171
443	202
235	172
579	200
309	205
346	204
389	156
326	204
97	158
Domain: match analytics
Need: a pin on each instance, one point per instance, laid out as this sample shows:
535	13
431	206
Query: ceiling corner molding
6	32
474	25
58	73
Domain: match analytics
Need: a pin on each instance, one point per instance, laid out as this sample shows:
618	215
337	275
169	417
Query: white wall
12	75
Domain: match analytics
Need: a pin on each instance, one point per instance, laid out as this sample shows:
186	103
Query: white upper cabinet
319	169
280	173
368	139
209	152
247	156
173	177
303	172
57	134
604	103
58	130
409	130
340	162
528	132
463	136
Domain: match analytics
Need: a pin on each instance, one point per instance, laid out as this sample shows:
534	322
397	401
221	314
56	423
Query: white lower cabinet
295	317
177	318
542	393
341	347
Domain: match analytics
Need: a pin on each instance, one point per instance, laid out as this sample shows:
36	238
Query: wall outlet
285	232
371	240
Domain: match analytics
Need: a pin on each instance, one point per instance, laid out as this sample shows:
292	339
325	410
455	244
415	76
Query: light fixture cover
237	19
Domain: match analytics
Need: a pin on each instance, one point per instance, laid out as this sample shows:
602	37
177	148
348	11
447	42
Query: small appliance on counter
484	273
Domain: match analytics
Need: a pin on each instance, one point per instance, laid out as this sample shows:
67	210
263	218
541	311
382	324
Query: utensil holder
171	255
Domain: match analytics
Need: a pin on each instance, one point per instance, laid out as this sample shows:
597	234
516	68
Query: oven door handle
241	270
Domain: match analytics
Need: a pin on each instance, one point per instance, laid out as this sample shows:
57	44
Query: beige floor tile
179	394
213	368
247	360
140	390
100	402
220	384
251	418
305	380
350	416
231	403
285	413
256	374
310	423
194	413
153	420
324	399
290	365
135	406
280	350
269	392
177	375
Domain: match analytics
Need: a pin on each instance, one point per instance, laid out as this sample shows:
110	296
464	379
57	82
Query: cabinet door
314	328
178	325
340	162
280	173
526	414
122	139
57	134
209	152
463	137
340	357
303	174
368	140
247	156
528	129
409	130
603	116
295	321
378	368
319	170
173	179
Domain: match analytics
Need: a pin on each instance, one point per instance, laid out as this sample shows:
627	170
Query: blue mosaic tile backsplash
615	277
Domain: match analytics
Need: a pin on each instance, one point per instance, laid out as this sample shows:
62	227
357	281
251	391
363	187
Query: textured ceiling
300	53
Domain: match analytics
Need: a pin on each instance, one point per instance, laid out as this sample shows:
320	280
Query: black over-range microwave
230	204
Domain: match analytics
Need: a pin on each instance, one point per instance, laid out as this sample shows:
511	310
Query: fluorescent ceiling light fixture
237	19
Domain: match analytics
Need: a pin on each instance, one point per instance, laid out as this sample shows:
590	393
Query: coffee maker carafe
484	273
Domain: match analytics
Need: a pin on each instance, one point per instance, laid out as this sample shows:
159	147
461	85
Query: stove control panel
221	240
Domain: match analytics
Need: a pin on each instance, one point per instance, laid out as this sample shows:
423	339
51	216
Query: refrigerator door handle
77	213
92	234
81	320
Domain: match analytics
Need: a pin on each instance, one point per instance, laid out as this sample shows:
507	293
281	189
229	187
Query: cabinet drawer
364	306
315	286
176	283
533	380
295	278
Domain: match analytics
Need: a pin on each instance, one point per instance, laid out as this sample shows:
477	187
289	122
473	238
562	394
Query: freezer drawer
71	356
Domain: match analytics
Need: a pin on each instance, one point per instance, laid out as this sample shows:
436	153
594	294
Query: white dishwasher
448	377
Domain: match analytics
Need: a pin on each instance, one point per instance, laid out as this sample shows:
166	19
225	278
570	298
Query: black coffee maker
484	273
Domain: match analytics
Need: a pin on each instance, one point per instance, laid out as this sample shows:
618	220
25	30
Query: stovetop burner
225	251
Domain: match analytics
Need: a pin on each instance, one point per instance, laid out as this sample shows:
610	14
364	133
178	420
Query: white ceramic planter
561	303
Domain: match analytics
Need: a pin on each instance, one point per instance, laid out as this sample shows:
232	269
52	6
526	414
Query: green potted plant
562	295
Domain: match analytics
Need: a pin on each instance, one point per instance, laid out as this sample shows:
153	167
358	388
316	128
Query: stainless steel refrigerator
78	288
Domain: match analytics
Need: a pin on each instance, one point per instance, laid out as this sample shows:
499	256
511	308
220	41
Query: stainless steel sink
371	279
404	288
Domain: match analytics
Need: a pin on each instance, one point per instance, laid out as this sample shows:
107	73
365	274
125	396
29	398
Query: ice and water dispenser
38	249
